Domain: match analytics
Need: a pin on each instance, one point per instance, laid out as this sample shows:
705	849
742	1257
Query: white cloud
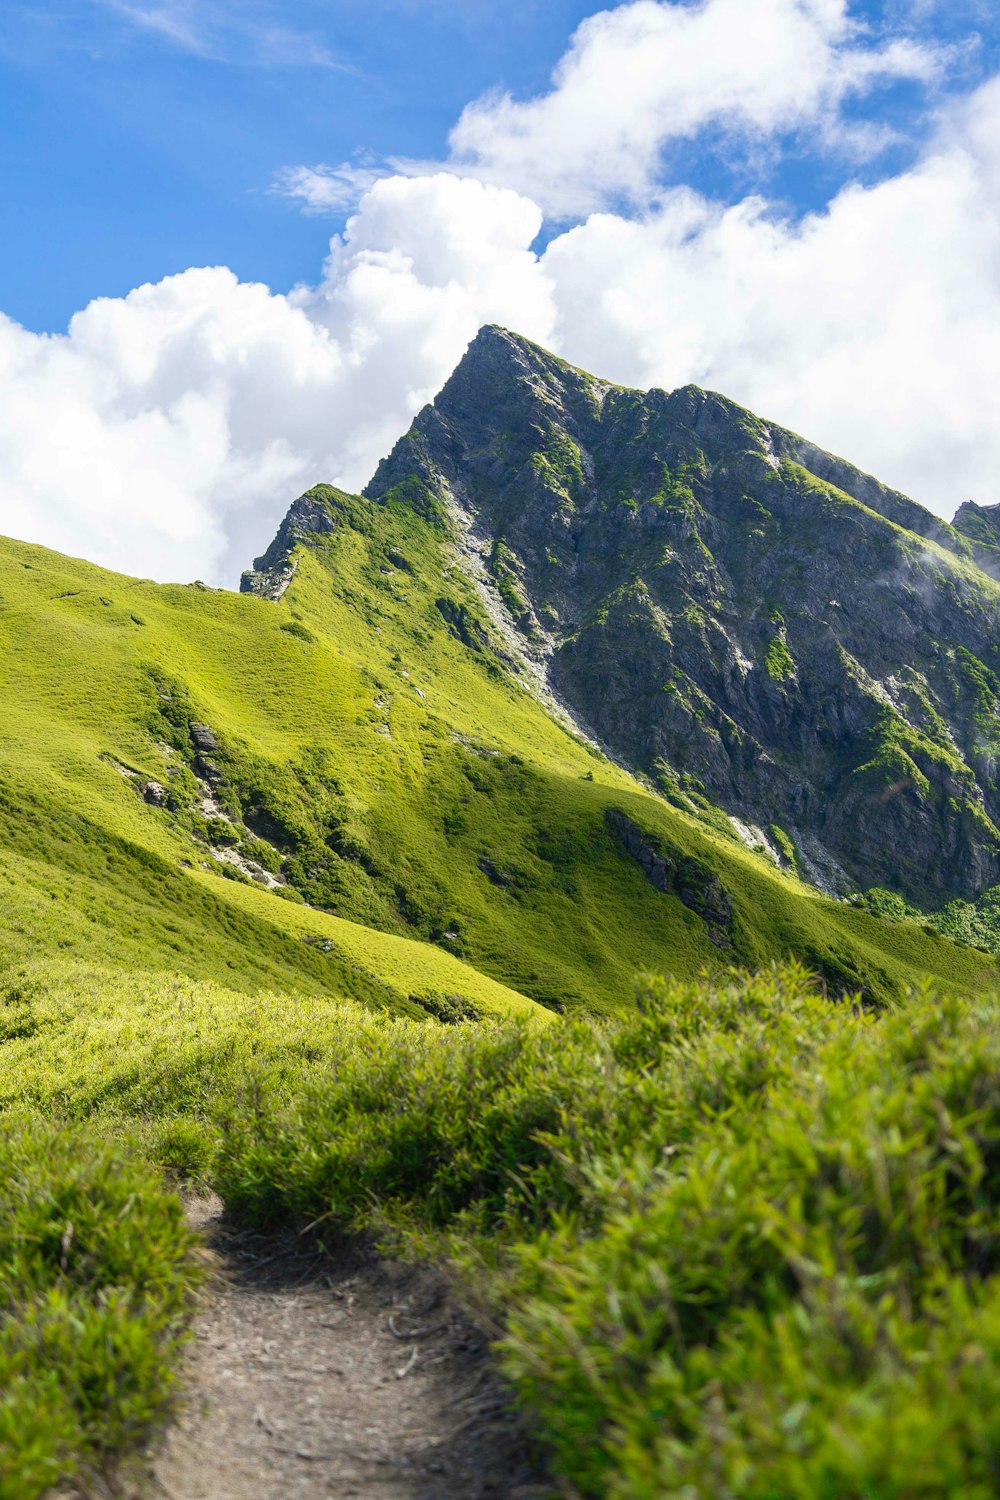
645	74
873	327
322	189
648	74
167	431
175	22
219	32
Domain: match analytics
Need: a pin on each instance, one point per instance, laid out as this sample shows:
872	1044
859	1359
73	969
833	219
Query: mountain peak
727	606
497	358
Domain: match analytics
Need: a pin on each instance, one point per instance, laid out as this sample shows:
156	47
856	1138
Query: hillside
326	898
370	803
734	612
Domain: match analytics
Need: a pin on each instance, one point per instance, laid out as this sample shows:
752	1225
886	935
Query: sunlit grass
741	1240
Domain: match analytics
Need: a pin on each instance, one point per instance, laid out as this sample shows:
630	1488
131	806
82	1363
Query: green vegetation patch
737	1238
975	924
740	1199
900	754
779	662
785	844
96	1284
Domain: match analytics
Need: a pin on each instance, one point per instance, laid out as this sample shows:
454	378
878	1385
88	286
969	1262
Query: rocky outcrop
203	737
273	571
693	882
980	526
733	612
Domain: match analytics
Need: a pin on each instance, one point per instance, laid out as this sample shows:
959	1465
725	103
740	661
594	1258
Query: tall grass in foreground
743	1242
95	1289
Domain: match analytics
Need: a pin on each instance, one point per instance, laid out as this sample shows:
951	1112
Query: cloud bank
165	433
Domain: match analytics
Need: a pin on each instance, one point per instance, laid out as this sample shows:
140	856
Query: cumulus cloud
165	433
643	75
649	74
873	327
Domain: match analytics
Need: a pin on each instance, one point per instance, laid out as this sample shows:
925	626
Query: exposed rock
398	560
248	867
493	874
756	839
980	524
207	770
202	737
158	796
677	874
210	807
712	596
325	945
461	624
272	572
270	584
123	770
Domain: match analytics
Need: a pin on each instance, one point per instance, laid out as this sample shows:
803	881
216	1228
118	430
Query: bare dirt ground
315	1374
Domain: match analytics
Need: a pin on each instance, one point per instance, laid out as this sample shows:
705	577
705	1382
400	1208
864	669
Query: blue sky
128	154
140	139
795	202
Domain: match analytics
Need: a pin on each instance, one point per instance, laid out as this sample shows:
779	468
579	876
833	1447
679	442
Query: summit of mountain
735	613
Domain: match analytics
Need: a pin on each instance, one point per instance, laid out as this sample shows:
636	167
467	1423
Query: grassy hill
375	754
224	956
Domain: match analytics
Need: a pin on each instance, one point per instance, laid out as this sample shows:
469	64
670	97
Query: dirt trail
311	1375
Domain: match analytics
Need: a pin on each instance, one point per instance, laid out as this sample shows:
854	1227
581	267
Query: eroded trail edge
319	1374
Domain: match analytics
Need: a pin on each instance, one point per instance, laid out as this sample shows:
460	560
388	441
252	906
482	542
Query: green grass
380	1039
740	1240
96	1283
779	662
387	765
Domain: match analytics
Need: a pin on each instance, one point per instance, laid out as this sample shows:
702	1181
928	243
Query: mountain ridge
335	791
698	527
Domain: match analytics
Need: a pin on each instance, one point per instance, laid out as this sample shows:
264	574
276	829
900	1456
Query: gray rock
307	517
677	874
202	737
726	604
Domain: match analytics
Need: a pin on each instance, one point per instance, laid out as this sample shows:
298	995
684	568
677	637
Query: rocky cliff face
980	524
735	613
274	570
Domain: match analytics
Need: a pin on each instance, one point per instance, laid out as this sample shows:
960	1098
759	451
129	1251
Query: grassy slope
741	1240
441	763
88	869
152	1010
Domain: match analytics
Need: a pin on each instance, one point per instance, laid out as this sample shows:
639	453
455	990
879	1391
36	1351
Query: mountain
470	742
349	788
732	612
293	881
